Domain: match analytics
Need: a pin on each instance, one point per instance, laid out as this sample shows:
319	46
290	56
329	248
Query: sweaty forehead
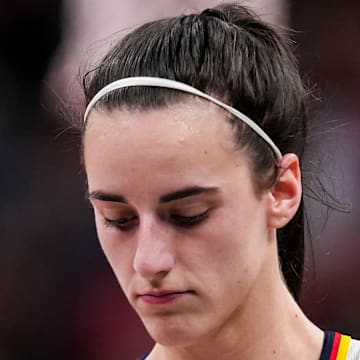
191	121
192	137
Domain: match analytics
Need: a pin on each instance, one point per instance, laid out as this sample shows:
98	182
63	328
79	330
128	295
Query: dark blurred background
58	297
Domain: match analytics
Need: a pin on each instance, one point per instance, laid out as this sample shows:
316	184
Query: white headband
171	84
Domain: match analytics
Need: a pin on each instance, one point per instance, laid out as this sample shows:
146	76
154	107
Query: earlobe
285	195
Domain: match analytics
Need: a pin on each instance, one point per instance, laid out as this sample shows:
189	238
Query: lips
158	297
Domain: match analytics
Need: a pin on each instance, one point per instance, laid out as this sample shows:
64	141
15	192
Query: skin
225	267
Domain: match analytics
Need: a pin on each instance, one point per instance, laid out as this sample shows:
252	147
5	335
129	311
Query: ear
285	195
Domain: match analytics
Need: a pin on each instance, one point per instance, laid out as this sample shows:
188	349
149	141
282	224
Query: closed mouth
163	297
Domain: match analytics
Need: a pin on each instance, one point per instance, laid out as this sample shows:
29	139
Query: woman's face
178	216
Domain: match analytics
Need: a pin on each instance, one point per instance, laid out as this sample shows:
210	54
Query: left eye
189	220
123	223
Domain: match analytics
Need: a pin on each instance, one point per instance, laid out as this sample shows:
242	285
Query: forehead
192	114
191	138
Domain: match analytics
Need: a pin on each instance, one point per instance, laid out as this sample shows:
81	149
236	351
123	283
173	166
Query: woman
192	138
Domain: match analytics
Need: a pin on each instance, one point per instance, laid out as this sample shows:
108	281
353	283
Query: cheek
232	247
118	252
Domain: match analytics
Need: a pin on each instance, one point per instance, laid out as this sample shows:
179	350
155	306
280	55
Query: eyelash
124	224
121	223
188	221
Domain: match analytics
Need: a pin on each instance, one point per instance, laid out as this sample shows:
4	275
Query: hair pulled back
230	53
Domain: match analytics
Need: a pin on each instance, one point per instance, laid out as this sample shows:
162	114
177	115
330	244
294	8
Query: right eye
122	223
189	221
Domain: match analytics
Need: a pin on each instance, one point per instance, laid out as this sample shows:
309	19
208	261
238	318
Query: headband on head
171	84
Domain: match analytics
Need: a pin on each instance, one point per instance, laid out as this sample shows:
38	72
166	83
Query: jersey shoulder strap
339	347
354	350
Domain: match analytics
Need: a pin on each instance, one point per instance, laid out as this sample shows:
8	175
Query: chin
169	332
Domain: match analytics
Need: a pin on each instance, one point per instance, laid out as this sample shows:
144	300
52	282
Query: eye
123	223
188	221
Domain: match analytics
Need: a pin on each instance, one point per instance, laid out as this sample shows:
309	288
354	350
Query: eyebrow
187	192
103	196
172	196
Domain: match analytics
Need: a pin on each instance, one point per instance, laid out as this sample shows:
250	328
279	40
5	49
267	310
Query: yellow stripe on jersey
343	347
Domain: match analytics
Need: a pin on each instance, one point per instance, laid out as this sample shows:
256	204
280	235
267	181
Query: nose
154	257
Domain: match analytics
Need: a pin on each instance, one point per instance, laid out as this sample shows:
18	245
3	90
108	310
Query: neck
270	325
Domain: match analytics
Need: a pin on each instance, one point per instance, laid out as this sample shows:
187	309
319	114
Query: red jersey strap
336	346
